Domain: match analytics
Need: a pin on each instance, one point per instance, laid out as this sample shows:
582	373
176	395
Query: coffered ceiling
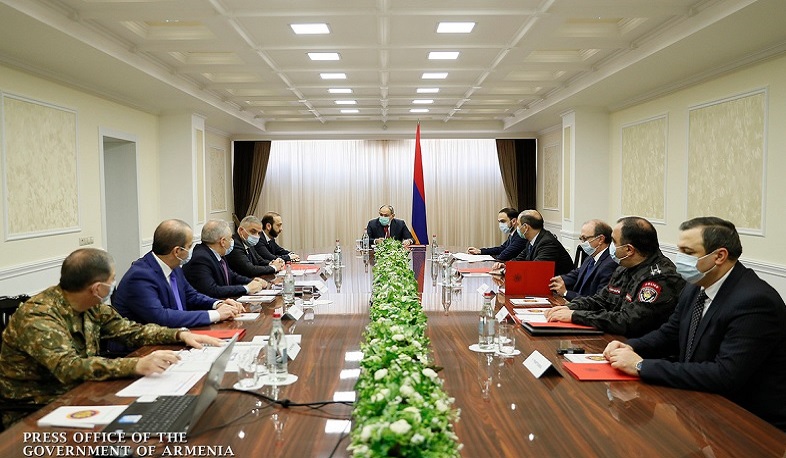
239	62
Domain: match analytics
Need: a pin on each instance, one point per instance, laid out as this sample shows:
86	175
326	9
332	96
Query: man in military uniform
51	343
642	292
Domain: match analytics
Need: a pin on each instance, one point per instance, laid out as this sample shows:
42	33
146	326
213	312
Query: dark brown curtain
248	175
526	166
506	154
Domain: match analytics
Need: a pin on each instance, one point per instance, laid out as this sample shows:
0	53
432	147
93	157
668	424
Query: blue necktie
587	272
173	284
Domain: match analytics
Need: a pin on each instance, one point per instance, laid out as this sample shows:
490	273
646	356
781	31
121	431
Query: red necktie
387	231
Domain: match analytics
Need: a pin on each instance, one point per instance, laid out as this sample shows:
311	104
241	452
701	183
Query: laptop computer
174	413
528	278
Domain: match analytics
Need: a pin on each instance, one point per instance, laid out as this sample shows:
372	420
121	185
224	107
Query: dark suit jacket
738	347
270	250
548	248
245	260
398	230
144	295
508	250
597	280
205	274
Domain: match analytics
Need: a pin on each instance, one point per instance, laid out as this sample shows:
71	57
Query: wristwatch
179	331
638	367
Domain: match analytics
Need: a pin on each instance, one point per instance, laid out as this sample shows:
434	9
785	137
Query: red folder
475	270
528	278
222	333
304	266
595	372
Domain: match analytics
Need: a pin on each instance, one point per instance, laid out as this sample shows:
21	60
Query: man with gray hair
244	259
208	271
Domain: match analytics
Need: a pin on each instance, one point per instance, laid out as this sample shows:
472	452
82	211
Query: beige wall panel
551	177
218	179
644	169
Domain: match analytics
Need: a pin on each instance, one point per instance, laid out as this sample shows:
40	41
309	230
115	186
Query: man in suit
641	294
513	245
208	272
244	259
387	226
52	341
541	245
595	271
267	248
154	290
726	335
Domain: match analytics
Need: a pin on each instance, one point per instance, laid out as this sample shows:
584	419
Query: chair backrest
8	305
579	257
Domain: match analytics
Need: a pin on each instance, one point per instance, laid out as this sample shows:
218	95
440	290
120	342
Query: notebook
528	278
174	413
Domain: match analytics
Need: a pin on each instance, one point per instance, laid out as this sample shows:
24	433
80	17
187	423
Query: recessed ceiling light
310	29
455	27
323	56
428	90
418	110
443	55
346	102
333	76
335	90
422	101
435	76
350	111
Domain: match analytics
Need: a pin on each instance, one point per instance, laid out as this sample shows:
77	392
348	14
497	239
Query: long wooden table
505	411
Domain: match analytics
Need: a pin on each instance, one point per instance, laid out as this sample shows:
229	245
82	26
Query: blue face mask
252	240
613	253
384	220
686	267
518	231
231	247
504	228
585	245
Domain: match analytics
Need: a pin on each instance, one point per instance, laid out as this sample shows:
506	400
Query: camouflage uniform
49	348
637	300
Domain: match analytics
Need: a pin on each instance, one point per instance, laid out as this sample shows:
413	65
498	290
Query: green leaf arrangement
401	409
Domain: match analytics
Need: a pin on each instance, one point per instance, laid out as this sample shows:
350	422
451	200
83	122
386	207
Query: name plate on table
483	288
502	314
295	312
292	349
538	364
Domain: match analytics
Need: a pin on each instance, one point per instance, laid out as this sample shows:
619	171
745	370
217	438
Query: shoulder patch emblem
614	290
649	292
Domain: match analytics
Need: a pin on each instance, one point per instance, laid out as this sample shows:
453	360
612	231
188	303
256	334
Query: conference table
505	409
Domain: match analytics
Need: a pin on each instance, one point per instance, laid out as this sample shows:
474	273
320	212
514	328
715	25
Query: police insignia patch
649	292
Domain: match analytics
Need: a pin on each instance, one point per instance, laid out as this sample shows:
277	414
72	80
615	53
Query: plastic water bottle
364	241
434	258
289	287
434	247
486	323
277	351
337	256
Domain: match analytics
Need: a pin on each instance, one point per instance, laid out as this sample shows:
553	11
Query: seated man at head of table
208	272
596	270
52	341
267	248
541	244
386	226
513	244
642	292
244	259
726	335
154	290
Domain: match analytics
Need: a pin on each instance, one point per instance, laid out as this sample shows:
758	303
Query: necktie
173	284
587	272
223	263
528	254
695	319
387	231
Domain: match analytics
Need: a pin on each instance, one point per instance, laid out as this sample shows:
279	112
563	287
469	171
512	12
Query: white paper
169	383
537	364
534	301
292	349
268	292
532	317
483	288
587	358
502	314
81	416
256	299
196	359
472	257
319	257
247	316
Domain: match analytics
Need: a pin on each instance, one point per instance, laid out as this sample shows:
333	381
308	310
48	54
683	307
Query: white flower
441	405
398	337
429	372
400	427
384	392
365	435
417	439
376	397
416	344
380	374
406	390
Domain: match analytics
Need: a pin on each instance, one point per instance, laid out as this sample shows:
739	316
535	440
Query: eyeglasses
591	238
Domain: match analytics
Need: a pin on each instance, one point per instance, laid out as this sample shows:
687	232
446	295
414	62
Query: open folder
528	278
595	372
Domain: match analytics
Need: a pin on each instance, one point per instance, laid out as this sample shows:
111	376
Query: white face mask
585	245
111	290
686	267
231	247
188	257
252	240
613	252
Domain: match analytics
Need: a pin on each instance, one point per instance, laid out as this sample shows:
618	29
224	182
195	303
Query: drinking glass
247	368
506	338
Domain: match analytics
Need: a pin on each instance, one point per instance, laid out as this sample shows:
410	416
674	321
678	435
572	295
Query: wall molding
30	268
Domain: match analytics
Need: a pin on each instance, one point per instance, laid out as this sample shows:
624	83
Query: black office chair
578	259
8	305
